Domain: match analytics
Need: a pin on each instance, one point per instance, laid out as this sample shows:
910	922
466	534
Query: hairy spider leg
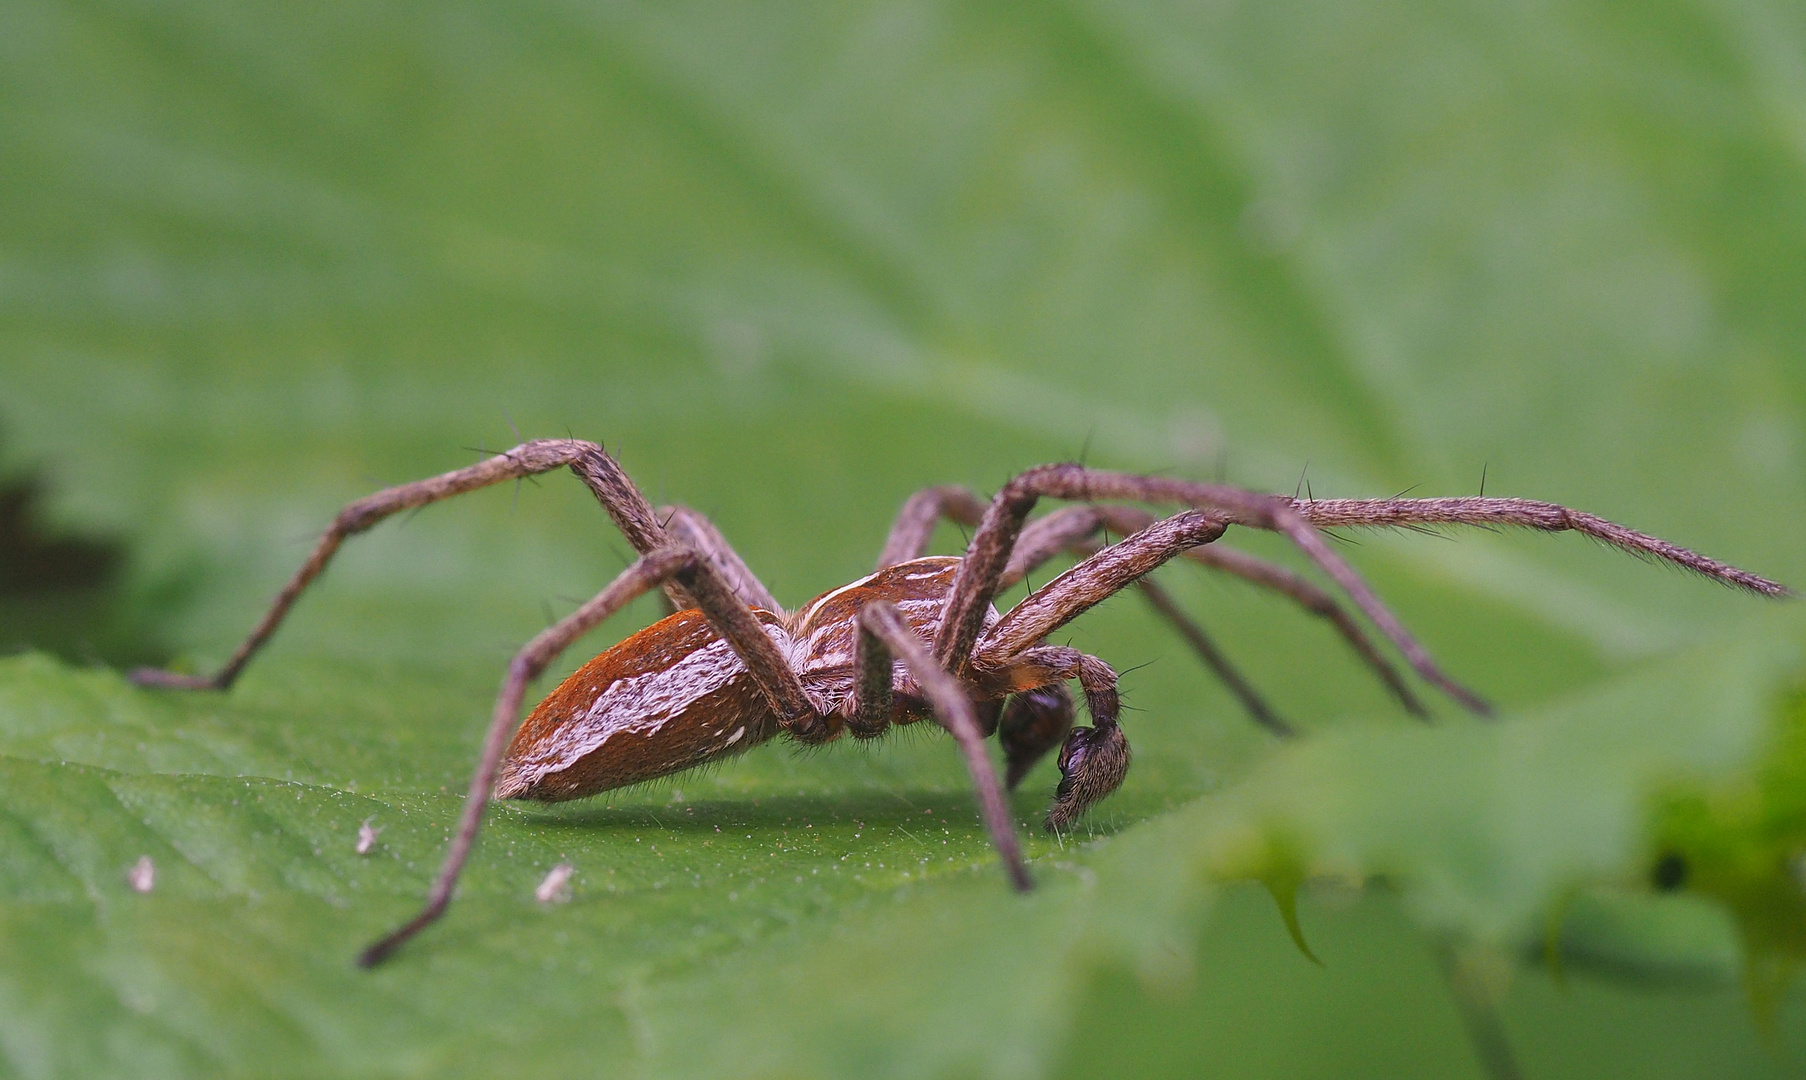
622	501
964	644
714	580
920	513
1296	519
988	555
694	530
884	633
1524	514
1041	540
1093	761
1073	529
1093	580
727	615
1070	530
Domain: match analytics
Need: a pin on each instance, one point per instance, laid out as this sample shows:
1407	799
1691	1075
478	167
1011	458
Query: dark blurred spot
34	563
1670	872
62	592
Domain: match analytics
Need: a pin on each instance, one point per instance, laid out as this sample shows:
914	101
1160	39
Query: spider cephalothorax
919	637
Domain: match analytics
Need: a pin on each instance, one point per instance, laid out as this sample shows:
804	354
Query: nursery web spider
731	668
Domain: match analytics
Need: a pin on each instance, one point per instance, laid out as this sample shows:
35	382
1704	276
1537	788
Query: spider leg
727	614
1528	514
1072	529
921	512
874	692
1294	518
1099	576
623	502
1093	760
1219	507
695	531
1062	531
884	633
1258	709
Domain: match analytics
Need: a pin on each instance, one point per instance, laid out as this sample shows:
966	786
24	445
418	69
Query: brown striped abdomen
669	698
675	696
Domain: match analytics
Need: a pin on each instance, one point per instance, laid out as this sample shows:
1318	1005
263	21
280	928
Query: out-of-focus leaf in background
793	262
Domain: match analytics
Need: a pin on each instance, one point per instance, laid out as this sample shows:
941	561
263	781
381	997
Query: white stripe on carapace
913	570
809	609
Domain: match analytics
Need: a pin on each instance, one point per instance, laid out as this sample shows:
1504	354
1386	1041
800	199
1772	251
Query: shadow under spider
869	809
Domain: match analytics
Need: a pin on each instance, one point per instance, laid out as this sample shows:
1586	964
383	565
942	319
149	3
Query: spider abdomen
676	695
669	698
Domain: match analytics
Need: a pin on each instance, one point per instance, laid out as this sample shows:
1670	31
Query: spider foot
171	680
1092	765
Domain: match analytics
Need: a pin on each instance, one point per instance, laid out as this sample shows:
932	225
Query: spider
730	668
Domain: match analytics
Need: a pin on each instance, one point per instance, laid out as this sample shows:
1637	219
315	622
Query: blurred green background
792	262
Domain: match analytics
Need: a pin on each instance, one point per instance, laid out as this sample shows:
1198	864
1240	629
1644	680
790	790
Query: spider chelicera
731	668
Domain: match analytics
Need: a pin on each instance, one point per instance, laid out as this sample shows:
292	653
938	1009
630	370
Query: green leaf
1741	841
793	263
1485	827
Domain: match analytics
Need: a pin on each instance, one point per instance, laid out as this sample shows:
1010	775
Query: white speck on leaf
366	837
556	888
142	877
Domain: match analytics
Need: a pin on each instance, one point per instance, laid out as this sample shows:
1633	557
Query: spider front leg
1295	519
884	633
1069	531
1073	530
988	555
